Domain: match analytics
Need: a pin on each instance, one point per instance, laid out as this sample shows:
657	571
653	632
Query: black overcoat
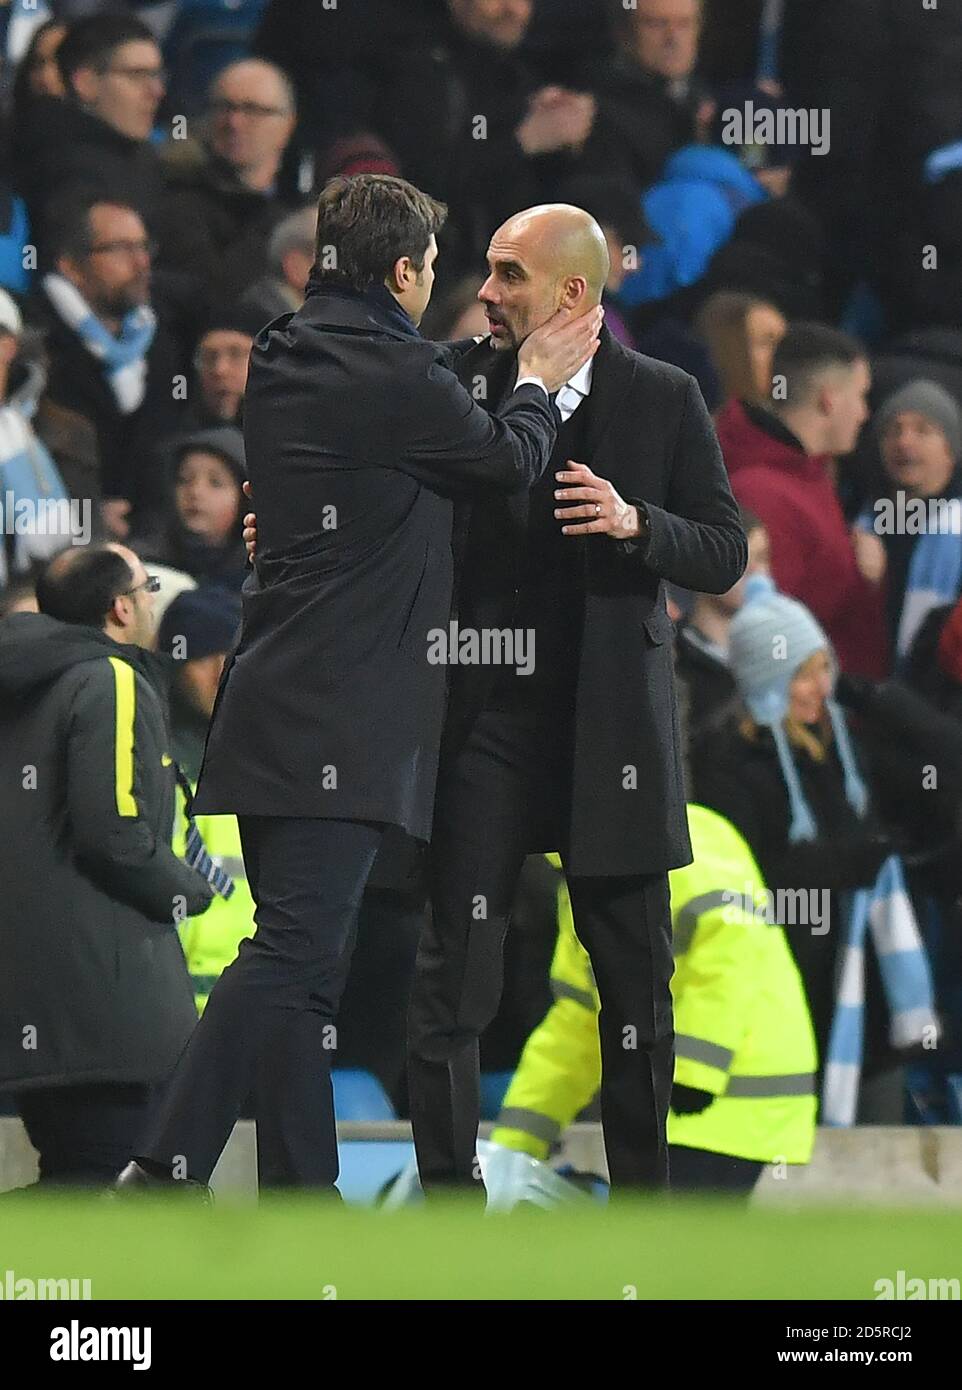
358	437
650	434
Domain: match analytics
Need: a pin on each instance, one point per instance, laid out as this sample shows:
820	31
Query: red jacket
812	556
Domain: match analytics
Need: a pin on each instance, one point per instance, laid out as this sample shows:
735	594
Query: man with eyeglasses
223	205
95	999
110	395
99	134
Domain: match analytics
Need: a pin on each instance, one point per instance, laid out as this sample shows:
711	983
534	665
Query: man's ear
825	399
120	610
574	289
399	274
85	84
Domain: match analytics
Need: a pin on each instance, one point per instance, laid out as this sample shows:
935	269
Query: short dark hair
365	223
82	589
808	349
66	222
91	42
21	587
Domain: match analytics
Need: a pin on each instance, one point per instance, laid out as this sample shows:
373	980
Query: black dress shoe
136	1179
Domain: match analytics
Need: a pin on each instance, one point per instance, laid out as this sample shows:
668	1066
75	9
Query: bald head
540	260
102	586
564	241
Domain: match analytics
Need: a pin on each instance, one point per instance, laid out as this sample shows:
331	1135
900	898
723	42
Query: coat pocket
422	610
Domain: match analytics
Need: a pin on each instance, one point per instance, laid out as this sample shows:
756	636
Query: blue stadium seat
204	38
493	1086
360	1096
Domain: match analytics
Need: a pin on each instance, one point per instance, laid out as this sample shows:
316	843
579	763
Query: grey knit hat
930	399
770	637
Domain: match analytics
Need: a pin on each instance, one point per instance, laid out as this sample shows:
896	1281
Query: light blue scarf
886	910
124	357
934	575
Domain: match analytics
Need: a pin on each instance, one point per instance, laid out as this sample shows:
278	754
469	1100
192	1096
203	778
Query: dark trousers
84	1134
269	1022
508	788
698	1170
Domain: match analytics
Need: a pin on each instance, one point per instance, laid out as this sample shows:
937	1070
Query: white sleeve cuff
533	381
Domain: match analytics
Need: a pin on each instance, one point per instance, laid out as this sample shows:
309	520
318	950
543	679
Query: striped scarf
124	358
934	576
196	854
885	910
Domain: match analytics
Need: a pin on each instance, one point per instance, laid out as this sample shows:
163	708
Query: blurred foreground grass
298	1247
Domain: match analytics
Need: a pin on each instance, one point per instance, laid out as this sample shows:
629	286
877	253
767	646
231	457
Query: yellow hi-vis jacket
211	941
743	1031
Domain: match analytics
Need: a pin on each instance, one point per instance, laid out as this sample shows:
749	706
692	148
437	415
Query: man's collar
769	423
581	381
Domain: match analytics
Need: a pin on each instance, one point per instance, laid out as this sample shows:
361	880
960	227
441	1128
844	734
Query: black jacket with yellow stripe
93	983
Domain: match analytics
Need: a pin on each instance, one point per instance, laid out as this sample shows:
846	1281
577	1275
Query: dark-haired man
328	720
112	363
578	749
98	135
95	999
781	460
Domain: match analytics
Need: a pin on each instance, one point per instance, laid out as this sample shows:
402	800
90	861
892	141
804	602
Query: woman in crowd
741	332
787	776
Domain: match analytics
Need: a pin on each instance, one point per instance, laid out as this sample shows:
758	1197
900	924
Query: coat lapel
610	386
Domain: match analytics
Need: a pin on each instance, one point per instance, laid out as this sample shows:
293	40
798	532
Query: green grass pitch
302	1248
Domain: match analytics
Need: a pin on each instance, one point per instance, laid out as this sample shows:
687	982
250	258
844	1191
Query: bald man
562	731
95	1000
217	220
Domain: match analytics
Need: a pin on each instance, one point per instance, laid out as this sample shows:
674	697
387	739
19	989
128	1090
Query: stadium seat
360	1096
204	38
493	1086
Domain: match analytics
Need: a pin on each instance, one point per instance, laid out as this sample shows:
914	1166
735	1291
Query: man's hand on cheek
589	505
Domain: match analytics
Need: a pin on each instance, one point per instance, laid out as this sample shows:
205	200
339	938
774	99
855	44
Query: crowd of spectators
160	163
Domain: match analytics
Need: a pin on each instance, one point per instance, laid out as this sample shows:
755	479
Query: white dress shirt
570	396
